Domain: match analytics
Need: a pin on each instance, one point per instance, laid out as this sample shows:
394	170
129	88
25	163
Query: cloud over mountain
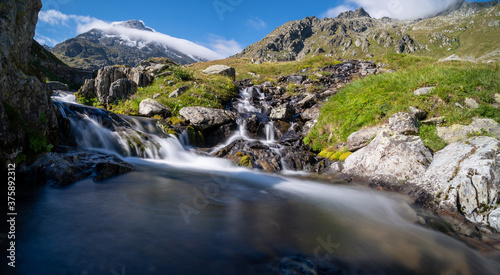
398	9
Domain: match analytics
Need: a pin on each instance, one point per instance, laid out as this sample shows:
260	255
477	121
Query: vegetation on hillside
372	100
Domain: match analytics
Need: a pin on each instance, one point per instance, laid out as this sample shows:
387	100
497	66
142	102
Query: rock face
26	111
120	89
203	118
222	70
465	177
124	80
151	107
392	158
458	132
59	169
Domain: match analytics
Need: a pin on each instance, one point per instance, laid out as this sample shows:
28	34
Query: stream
181	212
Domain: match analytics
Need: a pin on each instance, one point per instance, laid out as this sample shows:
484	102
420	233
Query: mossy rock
336	156
245	161
344	156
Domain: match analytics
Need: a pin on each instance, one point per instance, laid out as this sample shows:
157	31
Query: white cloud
53	17
221	47
398	9
257	23
43	40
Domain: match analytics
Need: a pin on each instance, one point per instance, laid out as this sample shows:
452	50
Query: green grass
212	91
372	100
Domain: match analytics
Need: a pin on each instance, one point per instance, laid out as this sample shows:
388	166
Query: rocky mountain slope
470	30
98	48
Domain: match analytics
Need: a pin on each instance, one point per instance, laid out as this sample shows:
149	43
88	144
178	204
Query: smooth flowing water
182	213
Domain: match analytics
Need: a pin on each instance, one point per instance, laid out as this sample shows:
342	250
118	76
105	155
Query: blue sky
224	26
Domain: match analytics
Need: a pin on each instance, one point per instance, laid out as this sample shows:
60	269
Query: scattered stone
60	169
362	138
417	113
471	103
157	95
423	91
391	158
459	105
307	101
434	121
310	114
283	112
459	132
328	93
178	91
151	107
170	82
454	57
222	70
497	98
297	79
465	177
403	123
57	86
203	118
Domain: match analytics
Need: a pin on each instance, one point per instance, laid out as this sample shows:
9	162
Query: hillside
98	48
355	34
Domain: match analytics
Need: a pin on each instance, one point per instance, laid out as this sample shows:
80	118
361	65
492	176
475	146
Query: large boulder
121	89
203	118
59	169
459	132
151	107
362	138
391	158
222	70
465	177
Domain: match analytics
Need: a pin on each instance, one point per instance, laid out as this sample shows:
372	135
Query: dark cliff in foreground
28	121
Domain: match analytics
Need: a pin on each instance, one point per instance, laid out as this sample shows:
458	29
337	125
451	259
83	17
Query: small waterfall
101	130
270	132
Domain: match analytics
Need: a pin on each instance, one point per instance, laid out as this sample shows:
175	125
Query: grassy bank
372	100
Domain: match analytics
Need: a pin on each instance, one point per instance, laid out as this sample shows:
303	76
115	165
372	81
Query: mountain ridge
355	34
120	43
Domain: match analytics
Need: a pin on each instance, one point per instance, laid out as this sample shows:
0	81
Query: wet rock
120	89
423	91
219	134
361	138
290	137
465	177
471	103
307	102
283	112
59	169
256	124
392	158
281	128
151	107
178	91
203	118
56	85
222	70
458	132
337	167
417	113
403	123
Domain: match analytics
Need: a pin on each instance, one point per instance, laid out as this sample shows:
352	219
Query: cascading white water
100	130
